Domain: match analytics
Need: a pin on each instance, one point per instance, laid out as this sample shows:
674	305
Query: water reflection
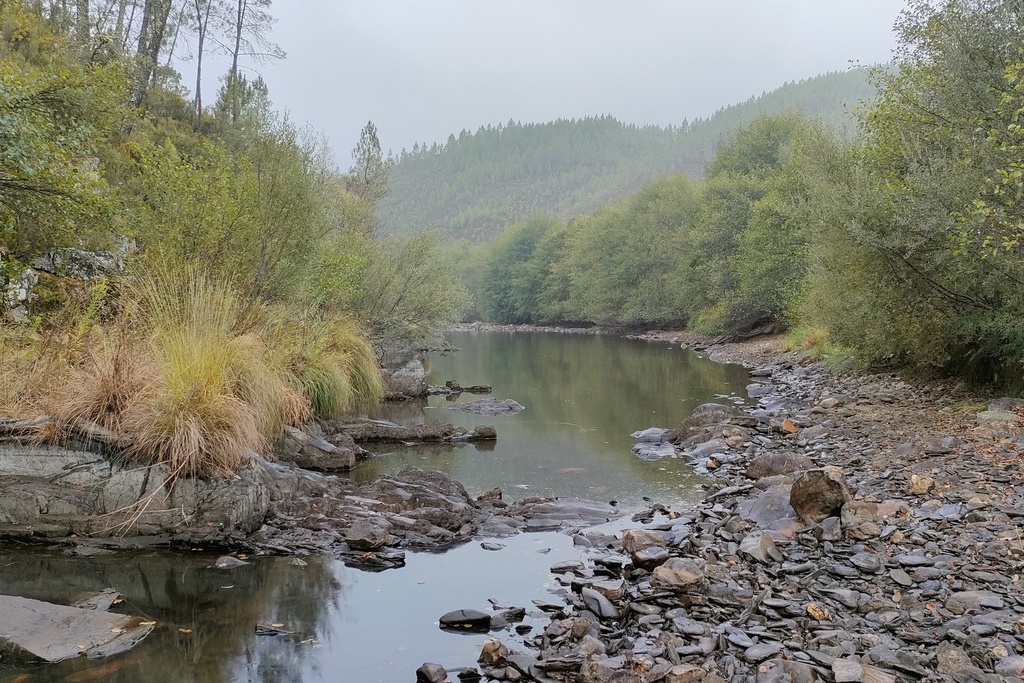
584	396
344	625
206	617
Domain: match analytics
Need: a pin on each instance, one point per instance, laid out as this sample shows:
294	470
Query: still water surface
584	396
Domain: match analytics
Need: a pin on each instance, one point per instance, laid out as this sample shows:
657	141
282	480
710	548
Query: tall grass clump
32	370
195	376
191	417
331	362
214	396
112	373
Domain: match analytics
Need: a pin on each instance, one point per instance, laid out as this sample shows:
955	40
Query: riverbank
864	530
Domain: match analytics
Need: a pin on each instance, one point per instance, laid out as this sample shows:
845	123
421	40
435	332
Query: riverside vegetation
902	248
242	287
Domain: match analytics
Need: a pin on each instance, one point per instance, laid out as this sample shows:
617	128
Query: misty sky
421	69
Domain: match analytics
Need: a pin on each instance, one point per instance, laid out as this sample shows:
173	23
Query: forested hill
475	185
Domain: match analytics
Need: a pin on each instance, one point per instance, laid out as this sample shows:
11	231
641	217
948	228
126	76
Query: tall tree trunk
236	104
151	37
202	22
82	22
119	25
177	29
128	26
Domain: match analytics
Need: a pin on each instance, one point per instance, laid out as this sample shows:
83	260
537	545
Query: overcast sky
422	69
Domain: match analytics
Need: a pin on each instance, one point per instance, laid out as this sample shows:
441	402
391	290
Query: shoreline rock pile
864	530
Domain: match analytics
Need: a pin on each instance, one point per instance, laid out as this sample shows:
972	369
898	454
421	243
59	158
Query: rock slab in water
551	515
466	620
32	630
489	406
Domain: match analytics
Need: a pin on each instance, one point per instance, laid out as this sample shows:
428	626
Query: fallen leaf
789	427
184	630
817	611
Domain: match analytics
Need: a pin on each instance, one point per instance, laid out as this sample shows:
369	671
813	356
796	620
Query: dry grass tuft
191	418
194	376
112	374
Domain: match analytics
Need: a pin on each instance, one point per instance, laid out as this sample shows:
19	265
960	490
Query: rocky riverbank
864	528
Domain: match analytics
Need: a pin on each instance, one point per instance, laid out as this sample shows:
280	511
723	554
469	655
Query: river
584	395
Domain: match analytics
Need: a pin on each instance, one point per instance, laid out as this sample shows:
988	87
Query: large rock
774	464
819	493
64	491
771	510
466	620
634	540
19	294
708	414
368	534
423	494
679	574
313	453
31	630
85	265
431	673
406	381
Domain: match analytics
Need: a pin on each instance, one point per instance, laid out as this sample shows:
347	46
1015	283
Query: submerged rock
547	514
489	406
32	630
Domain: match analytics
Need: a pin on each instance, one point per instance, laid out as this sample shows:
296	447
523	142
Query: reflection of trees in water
410	412
584	396
205	617
612	384
305	600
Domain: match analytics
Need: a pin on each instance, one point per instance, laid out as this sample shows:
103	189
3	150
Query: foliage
406	289
922	230
479	183
517	270
53	114
618	260
198	365
727	255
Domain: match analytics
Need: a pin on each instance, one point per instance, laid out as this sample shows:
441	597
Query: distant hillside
477	184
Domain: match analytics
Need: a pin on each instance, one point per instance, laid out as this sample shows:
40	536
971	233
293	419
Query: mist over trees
476	184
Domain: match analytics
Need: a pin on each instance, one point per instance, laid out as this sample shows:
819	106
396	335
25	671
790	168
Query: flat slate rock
466	620
489	406
550	515
32	630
